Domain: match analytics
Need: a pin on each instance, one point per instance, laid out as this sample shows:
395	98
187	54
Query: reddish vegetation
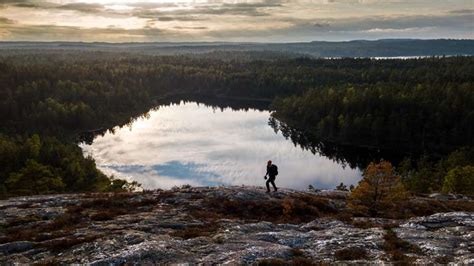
397	248
352	253
297	209
102	207
293	262
58	233
196	231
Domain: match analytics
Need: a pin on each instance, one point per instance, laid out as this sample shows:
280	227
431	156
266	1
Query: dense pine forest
423	107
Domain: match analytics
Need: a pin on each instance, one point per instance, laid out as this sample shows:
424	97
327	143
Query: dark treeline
417	117
51	98
421	173
38	166
77	91
427	121
346	155
356	48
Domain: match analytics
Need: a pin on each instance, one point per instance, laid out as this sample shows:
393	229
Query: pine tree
380	189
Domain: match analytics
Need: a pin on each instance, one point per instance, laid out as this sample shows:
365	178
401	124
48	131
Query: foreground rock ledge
234	225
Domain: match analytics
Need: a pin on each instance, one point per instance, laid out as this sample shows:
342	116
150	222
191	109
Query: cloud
178	18
176	170
378	25
27	5
192	14
321	24
462	11
6	21
86	8
83	7
36	5
250	10
148	5
189	28
2	2
64	33
452	25
267	20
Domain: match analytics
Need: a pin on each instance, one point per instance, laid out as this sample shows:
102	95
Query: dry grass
293	262
57	233
272	262
196	231
352	253
444	260
57	245
363	224
397	248
20	221
424	207
296	252
295	209
415	207
58	227
344	216
25	205
106	215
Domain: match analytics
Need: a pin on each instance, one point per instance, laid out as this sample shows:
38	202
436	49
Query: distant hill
356	48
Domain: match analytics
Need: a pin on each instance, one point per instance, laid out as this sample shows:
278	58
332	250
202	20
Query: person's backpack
274	169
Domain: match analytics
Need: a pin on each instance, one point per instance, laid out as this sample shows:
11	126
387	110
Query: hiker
272	172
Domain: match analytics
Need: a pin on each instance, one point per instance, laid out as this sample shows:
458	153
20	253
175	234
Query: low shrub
397	248
295	209
272	262
293	262
351	253
296	252
57	245
107	215
459	180
19	221
196	231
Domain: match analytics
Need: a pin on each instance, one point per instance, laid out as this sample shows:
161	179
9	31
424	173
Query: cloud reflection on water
191	143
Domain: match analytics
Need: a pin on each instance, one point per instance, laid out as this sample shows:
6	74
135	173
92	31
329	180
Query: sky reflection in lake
190	143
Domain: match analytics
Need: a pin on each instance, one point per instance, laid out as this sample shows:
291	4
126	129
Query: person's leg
268	185
273	184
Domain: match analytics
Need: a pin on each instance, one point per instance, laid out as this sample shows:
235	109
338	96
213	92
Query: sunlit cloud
252	20
193	144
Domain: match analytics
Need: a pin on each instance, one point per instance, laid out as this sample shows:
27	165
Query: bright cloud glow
243	20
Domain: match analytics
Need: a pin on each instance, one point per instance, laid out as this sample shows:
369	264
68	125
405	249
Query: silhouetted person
272	172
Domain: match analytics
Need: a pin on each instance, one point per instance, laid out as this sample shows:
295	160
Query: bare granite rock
218	225
442	234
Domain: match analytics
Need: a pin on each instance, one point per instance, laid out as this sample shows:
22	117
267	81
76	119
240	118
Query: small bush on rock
380	189
351	253
460	180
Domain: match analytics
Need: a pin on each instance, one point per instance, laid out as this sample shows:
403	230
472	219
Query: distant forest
47	99
315	49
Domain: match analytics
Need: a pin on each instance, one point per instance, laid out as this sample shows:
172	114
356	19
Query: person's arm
268	170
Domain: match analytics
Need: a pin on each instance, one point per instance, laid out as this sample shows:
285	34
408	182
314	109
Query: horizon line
241	42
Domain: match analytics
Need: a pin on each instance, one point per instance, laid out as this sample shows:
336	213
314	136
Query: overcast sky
216	20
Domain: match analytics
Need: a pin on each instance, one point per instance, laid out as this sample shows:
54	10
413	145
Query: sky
233	21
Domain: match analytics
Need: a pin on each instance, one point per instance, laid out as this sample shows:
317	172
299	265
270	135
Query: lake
202	145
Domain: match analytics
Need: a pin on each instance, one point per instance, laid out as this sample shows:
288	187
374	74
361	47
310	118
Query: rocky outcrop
449	235
224	225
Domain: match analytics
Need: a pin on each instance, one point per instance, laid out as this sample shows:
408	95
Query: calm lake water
191	143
